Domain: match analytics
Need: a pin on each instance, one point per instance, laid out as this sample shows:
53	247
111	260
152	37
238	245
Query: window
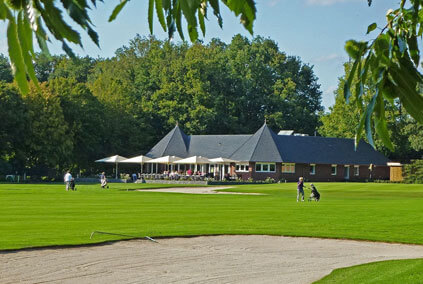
241	168
288	168
312	169
334	170
356	170
265	168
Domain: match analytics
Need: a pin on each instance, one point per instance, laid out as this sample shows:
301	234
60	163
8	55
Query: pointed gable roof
261	147
175	143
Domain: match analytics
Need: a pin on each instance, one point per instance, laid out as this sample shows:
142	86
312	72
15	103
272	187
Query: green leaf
167	5
3	11
15	55
26	29
381	125
68	50
201	21
355	49
382	50
160	15
371	28
41	36
245	8
193	33
347	85
178	17
407	92
216	11
150	15
117	10
388	90
414	49
25	39
93	35
189	13
368	118
54	20
359	131
401	44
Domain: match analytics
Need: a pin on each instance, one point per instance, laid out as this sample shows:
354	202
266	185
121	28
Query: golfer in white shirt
67	179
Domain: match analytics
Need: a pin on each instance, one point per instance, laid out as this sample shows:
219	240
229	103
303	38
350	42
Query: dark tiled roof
261	147
214	146
175	143
322	150
266	146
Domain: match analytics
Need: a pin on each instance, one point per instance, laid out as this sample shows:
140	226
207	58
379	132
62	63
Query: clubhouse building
281	156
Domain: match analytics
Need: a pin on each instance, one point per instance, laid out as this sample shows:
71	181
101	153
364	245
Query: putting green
391	271
45	214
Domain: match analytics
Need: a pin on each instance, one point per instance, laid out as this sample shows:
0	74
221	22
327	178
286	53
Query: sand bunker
196	190
217	259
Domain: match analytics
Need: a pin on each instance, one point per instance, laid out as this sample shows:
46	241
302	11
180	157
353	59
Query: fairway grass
391	271
46	215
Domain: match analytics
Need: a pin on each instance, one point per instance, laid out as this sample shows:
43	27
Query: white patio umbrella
194	160
167	160
222	161
116	159
137	160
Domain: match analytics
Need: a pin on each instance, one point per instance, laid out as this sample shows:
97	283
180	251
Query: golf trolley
315	195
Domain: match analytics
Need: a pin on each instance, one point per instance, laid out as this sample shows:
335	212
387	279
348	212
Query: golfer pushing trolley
300	189
315	195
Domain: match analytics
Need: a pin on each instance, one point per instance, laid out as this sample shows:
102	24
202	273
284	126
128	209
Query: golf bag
72	184
315	195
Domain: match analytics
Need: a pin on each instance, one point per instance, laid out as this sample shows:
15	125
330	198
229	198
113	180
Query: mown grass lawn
45	214
391	271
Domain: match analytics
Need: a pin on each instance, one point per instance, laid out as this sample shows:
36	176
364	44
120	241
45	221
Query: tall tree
13	127
27	18
85	117
210	88
5	70
48	144
77	68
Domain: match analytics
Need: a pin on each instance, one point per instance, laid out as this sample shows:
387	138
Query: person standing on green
67	179
300	189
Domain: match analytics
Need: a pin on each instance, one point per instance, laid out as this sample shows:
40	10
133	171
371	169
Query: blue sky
314	30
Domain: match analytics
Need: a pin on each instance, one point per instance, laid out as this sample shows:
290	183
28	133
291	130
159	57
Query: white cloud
328	2
329	57
273	3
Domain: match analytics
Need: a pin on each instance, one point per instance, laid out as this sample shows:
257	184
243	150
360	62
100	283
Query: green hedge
413	172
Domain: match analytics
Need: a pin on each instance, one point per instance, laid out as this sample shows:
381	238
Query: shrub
413	172
269	180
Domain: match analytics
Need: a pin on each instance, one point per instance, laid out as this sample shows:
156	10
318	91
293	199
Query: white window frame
358	170
314	169
336	170
290	167
242	168
261	167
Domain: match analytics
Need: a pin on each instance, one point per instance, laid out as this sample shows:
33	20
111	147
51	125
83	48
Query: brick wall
323	173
